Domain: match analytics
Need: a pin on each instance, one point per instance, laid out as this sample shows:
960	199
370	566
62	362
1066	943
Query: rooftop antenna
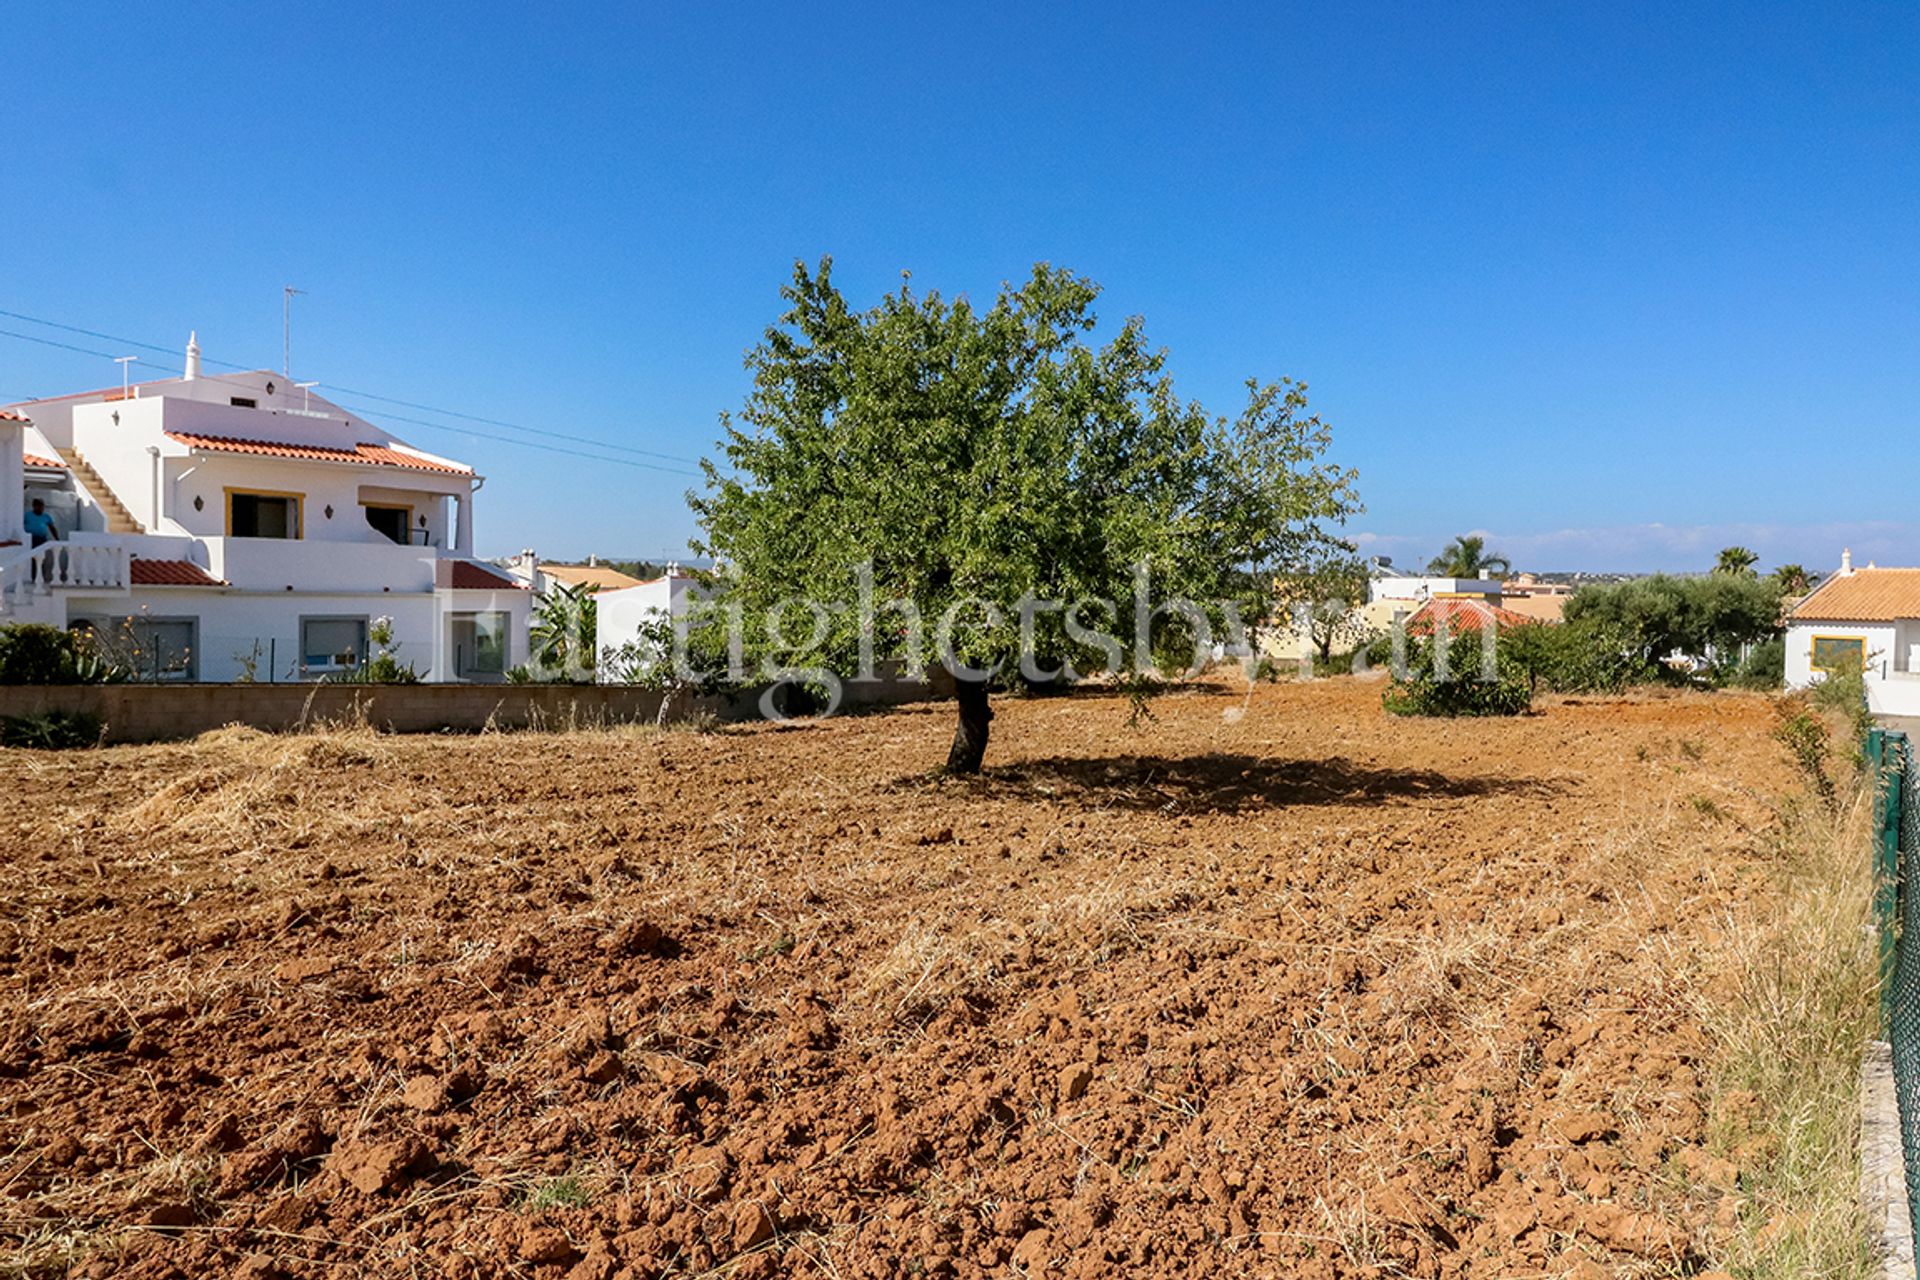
306	393
286	329
126	378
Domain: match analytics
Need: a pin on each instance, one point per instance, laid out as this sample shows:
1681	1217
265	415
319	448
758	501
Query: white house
1869	616
619	615
244	528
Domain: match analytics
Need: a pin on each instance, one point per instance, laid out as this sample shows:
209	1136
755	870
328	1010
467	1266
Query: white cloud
1642	548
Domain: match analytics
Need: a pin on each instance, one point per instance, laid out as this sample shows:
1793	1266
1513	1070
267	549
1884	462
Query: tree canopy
947	465
1711	616
1326	594
1736	561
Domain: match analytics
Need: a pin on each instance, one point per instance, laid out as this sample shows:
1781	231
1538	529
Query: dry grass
1790	1037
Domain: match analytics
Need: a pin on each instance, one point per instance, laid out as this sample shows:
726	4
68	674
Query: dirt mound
1278	987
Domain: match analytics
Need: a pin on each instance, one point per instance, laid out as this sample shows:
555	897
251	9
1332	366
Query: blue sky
1617	284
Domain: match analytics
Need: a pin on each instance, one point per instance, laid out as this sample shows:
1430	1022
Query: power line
438	426
351	391
524	444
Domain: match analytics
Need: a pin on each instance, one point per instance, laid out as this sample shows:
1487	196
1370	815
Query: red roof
1464	614
143	572
35	460
378	455
465	575
10	416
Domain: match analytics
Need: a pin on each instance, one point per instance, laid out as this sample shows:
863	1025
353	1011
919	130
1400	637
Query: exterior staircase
119	519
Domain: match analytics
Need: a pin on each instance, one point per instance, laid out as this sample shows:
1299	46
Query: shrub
1805	737
1466	690
31	653
1764	667
50	730
1843	695
383	667
1589	656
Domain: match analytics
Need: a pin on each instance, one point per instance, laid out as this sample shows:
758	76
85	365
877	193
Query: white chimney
1846	561
193	355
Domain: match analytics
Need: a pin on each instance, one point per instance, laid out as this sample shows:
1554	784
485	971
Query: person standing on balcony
39	525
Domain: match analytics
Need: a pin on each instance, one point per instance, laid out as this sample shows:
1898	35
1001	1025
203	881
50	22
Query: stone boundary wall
157	712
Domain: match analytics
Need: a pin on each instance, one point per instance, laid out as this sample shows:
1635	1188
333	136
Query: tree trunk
970	736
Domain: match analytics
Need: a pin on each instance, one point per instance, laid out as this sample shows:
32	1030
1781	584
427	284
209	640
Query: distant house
1393	597
1541	601
242	528
541	575
1464	615
622	613
1868	616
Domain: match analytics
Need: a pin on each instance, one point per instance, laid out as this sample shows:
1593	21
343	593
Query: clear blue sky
1617	284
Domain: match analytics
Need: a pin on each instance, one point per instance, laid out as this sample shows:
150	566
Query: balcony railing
59	566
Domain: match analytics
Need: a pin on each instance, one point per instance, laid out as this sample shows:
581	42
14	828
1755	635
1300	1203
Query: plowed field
1274	985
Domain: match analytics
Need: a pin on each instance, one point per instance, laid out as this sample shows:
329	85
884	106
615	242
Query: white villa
243	528
623	612
1868	616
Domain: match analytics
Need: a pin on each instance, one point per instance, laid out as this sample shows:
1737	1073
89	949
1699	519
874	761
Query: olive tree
995	476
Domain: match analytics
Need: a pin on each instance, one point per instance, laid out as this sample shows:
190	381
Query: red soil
1275	986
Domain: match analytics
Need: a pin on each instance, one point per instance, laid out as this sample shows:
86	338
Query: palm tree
563	629
1466	557
1736	562
1794	580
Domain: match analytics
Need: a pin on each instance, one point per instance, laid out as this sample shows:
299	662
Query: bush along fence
1896	842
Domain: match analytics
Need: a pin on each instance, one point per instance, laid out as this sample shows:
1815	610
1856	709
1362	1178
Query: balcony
280	564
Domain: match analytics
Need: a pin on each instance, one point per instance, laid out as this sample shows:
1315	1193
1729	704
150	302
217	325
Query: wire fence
1896	839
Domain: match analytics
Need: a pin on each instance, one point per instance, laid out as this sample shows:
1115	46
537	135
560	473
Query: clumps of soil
1302	992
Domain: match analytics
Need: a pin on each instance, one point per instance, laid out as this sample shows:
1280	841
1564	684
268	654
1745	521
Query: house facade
1869	616
236	527
622	613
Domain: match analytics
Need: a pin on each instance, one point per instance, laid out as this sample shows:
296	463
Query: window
391	521
146	648
262	515
1830	653
480	644
332	644
244	402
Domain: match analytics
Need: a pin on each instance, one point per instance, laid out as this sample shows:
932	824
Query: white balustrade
56	566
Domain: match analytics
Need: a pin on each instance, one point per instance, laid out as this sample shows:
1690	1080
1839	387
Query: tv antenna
126	377
286	329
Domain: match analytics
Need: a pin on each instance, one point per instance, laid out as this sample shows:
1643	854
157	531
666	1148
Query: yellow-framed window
1831	653
264	513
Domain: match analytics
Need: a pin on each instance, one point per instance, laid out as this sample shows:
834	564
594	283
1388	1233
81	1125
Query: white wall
620	614
231	623
1890	691
1419	588
118	451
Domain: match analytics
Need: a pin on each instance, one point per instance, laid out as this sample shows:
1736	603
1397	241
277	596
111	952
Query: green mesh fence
1896	839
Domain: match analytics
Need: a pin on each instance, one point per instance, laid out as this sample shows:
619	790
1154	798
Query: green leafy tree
948	465
1714	617
1466	556
1329	590
1736	562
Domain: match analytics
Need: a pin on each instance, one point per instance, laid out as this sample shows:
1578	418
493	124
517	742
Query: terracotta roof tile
1865	595
142	572
9	415
465	575
379	455
1463	615
35	460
